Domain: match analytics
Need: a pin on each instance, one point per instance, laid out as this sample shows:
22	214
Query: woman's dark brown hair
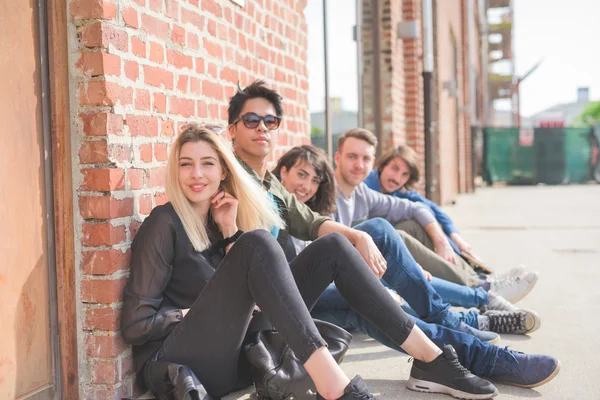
323	202
410	158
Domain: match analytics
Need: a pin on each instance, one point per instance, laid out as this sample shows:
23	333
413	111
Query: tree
590	116
316	131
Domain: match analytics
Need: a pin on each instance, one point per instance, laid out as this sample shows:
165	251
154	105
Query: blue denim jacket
441	217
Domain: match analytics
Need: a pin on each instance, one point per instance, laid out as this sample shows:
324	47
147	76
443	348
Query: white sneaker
514	289
515	272
499	303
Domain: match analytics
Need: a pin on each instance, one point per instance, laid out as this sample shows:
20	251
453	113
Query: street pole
427	97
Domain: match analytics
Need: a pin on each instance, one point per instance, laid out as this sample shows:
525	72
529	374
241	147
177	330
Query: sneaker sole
430	387
524	294
532	320
534	385
494	341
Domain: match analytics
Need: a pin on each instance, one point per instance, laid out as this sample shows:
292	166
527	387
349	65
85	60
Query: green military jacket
301	222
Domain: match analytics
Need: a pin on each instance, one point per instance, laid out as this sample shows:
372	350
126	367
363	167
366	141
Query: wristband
227	241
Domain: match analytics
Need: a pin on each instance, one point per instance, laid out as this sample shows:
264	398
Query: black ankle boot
356	390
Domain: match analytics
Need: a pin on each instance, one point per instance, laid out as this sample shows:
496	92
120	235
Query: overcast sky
566	34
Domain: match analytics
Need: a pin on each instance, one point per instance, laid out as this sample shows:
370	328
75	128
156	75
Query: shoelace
458	366
509	281
508	319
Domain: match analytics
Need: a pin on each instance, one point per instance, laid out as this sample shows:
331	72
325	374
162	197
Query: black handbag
277	373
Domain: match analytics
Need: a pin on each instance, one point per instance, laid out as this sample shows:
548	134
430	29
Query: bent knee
256	236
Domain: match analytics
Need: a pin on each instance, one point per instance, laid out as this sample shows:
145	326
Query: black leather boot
356	390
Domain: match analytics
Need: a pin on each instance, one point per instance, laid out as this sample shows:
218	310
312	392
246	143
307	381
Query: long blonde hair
255	209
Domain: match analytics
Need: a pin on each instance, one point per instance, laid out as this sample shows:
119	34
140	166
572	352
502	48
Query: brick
105	372
142	125
105	262
192	17
183	107
200	65
195	87
212	90
107	346
134	227
145	204
201	109
146	152
172	7
178	35
160	198
102	93
193	43
182	83
160	152
167	128
154	26
158	77
119	152
105	207
157	53
211	27
92	9
102	34
102	234
142	100
102	124
212	7
213	48
104	291
130	17
179	60
99	63
132	70
102	179
159	103
212	71
92	152
103	318
127	367
135	178
229	75
156	177
138	46
156	6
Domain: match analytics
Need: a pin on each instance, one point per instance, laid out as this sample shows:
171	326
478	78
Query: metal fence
540	155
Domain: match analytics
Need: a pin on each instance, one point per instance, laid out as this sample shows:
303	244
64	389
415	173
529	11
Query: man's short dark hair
358	133
256	89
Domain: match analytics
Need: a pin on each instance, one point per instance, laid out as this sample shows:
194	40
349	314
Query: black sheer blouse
167	275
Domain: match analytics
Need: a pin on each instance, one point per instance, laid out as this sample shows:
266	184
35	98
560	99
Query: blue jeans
405	277
460	295
479	357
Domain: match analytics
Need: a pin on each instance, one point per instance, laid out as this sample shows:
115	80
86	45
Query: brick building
113	82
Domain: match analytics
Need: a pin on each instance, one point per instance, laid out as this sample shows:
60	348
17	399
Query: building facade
115	80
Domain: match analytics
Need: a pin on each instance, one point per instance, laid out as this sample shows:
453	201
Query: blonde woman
196	277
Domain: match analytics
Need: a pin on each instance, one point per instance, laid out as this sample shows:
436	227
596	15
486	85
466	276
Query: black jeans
209	339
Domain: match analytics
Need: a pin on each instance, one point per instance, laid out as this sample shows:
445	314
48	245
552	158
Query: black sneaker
446	375
356	390
518	322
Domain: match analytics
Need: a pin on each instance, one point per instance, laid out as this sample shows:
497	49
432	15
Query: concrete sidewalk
551	229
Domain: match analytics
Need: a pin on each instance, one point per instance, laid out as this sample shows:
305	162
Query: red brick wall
140	70
413	75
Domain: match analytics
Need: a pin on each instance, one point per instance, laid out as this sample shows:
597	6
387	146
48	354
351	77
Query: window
332	78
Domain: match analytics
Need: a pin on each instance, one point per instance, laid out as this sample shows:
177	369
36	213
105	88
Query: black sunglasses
252	120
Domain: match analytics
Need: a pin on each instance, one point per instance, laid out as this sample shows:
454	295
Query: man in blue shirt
396	174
